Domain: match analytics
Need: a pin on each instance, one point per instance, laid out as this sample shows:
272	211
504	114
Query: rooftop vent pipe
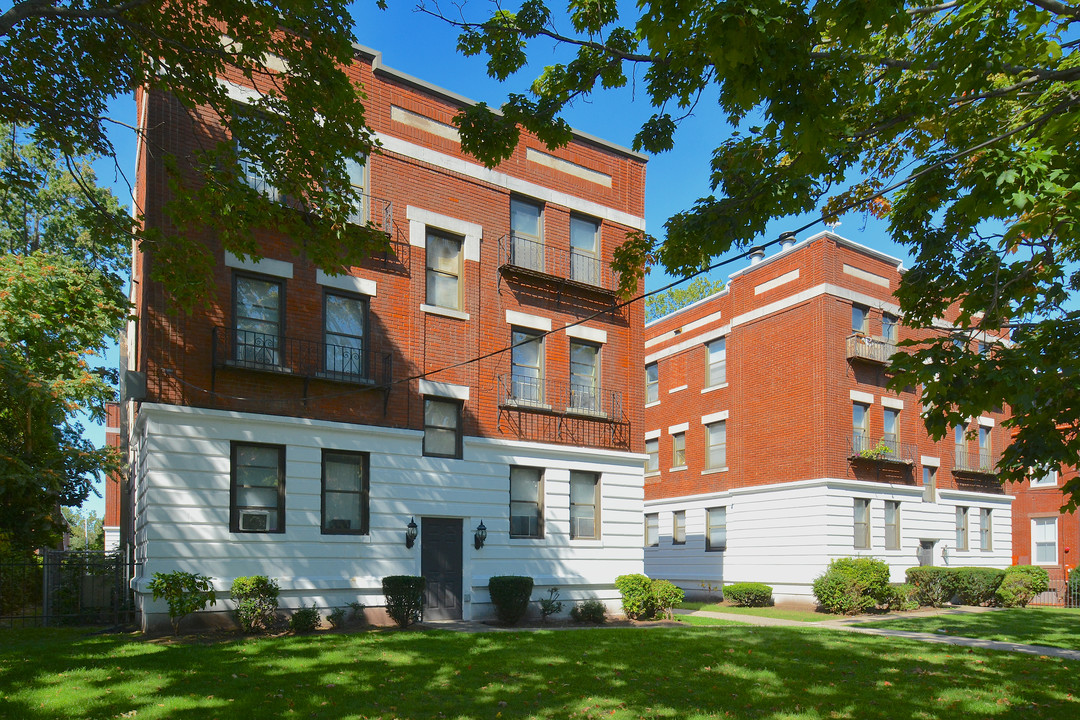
787	240
757	255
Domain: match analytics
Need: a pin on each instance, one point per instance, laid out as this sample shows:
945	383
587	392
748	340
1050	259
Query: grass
621	673
772	612
691	620
1032	626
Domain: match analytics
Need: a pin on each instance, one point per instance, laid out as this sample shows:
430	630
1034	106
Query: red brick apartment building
272	433
1042	534
774	445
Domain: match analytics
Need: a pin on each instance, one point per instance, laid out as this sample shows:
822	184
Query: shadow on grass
730	672
1032	626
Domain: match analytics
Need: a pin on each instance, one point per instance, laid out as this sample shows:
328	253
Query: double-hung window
527	366
890	328
257	313
1044	539
652	383
344	330
442	427
862	523
860	319
444	270
959	446
526	502
257	488
929	481
716	450
678	450
986	530
1046	479
584	250
892	525
253	174
344	493
678	527
716	367
860	427
584	505
357	172
652	530
961	528
526	235
986	460
891	427
652	451
584	376
715	529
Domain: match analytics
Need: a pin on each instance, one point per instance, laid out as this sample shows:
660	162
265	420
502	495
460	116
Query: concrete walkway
854	625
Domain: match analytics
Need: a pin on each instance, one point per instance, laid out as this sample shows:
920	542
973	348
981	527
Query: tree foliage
86	529
676	298
62	63
955	122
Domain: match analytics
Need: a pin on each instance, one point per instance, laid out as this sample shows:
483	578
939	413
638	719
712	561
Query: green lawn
621	673
1033	626
781	613
691	620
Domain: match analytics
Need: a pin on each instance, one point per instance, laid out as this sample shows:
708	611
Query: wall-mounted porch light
410	533
480	536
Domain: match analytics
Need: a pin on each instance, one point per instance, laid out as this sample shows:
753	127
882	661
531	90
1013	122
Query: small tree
185	592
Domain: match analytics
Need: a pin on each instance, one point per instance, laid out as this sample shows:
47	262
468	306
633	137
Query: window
986	541
715	529
344	324
442	427
652	530
860	426
652	449
584	250
678	450
986	462
1047	479
652	383
892	525
584	504
929	483
584	376
444	271
862	523
357	172
253	174
678	527
860	319
526	503
959	446
716	440
258	488
1044	535
344	493
962	528
890	328
527	242
891	427
716	371
257	311
527	366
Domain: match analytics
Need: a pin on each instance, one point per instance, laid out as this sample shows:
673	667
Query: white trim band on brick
349	283
866	275
894	403
565	166
424	123
420	220
714	417
930	461
694	325
689	343
533	322
862	397
440	389
681	427
777	282
652	434
986	422
581	332
266	266
445	312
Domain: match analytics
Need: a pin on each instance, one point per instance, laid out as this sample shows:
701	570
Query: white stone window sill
652	473
652	404
676	389
677	469
713	471
445	312
714	387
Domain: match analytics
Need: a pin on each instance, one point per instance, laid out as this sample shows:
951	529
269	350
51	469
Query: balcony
881	450
870	349
981	462
293	357
548	411
524	257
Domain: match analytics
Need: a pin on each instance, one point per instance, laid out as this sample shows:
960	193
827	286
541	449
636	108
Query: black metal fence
66	587
1063	591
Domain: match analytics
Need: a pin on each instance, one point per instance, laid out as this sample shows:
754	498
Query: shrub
902	596
748	594
357	608
643	598
934	586
590	611
305	619
977	585
185	592
256	598
852	585
336	618
404	598
551	605
1021	583
510	594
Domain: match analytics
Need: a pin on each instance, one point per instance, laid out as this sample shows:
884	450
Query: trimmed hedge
934	586
1020	585
978	585
748	594
644	598
404	598
852	585
510	594
256	599
902	596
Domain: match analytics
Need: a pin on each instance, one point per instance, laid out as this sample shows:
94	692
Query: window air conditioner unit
255	520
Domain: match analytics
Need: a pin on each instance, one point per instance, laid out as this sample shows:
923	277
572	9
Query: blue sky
424	46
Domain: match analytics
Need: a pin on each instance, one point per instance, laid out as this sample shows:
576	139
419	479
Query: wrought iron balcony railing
528	256
377	211
871	349
980	462
885	449
546	396
308	359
